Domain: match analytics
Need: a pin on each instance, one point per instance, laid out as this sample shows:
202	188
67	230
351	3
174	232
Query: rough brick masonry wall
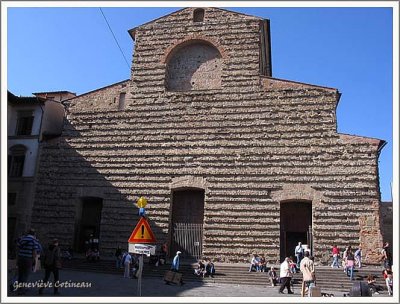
251	144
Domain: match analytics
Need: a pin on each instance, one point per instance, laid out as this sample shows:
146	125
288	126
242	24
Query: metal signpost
140	239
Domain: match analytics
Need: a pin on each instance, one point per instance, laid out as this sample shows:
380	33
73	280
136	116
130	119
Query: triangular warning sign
142	233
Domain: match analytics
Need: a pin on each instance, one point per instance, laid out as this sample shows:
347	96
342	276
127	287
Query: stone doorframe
299	192
188	181
181	183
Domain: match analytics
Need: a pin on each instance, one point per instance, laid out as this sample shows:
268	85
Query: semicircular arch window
195	66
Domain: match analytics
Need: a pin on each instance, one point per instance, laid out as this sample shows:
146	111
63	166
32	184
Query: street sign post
140	239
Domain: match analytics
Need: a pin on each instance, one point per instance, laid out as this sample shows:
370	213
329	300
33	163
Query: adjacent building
30	121
232	160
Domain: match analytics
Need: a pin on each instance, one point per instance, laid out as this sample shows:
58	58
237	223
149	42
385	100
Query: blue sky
51	49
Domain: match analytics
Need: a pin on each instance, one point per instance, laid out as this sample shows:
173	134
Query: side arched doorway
186	226
87	221
295	226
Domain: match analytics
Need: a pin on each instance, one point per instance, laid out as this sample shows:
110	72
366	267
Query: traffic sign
142	249
142	233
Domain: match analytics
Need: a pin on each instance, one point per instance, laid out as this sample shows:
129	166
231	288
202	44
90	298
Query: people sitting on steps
273	276
210	268
255	263
201	269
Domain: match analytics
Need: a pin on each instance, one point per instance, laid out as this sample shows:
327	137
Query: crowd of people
258	263
30	255
304	263
348	260
352	259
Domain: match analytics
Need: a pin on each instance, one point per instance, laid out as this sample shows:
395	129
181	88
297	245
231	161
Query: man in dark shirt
386	255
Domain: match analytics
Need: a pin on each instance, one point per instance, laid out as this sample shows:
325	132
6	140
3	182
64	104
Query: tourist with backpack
52	264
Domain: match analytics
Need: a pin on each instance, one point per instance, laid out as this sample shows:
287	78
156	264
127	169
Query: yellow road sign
142	233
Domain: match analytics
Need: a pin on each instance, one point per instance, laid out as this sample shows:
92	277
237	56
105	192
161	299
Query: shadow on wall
83	190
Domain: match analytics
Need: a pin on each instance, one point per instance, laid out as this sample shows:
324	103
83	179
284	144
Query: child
292	266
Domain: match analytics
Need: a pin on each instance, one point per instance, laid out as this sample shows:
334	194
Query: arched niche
193	65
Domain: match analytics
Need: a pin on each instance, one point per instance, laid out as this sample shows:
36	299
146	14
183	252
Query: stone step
327	278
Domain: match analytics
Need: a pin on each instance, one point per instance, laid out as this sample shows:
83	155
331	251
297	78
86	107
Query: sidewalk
110	285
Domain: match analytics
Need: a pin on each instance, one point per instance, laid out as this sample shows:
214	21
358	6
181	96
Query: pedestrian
28	248
388	276
118	257
308	271
335	256
164	250
273	277
299	253
350	264
52	264
357	257
135	266
386	255
175	262
344	258
307	249
292	265
127	260
285	276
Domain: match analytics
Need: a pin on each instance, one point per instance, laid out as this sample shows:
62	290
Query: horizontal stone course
256	142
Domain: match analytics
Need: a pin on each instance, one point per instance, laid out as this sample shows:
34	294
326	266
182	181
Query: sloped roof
11	98
54	92
132	32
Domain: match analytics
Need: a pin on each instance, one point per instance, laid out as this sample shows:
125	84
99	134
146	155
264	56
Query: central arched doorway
295	226
187	215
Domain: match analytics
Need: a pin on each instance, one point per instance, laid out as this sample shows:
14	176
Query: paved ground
110	285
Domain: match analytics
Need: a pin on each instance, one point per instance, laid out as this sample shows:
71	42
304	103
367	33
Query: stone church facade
231	160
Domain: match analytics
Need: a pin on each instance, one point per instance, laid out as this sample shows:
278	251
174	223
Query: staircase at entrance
237	274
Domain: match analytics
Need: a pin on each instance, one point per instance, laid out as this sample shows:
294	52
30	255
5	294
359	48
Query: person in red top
335	255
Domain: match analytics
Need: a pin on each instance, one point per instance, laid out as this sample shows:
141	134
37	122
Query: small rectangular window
198	15
24	123
121	103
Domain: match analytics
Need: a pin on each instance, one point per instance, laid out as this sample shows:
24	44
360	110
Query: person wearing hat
175	262
52	264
